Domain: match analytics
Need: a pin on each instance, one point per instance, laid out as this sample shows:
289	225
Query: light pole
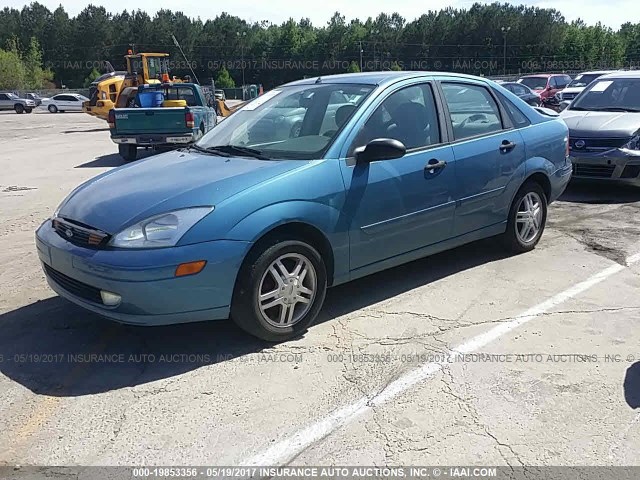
241	36
505	30
375	41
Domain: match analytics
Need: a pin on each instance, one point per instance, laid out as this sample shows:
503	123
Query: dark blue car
386	167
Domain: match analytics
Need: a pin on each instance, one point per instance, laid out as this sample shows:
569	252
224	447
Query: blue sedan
385	168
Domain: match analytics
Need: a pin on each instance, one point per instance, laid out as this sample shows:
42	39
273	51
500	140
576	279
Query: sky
615	13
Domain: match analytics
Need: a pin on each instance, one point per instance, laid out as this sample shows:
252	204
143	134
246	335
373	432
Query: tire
28	110
52	108
296	129
128	152
517	238
256	276
18	108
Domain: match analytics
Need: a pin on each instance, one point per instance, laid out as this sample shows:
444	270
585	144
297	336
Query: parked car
524	92
10	101
546	85
423	162
604	129
64	102
184	118
35	97
579	83
219	94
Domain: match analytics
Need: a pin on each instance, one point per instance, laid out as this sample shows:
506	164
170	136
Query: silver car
604	129
10	101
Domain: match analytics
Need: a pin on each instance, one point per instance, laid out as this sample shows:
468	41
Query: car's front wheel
280	290
527	218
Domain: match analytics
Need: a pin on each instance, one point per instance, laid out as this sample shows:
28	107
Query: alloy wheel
529	217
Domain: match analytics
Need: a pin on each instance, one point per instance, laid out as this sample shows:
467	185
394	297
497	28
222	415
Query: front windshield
584	80
534	83
620	94
294	122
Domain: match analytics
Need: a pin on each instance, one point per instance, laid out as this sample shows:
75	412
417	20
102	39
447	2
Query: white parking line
286	450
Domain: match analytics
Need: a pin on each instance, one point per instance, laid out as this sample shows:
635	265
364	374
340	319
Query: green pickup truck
164	115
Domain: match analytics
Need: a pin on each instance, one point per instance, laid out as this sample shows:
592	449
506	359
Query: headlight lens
163	230
633	144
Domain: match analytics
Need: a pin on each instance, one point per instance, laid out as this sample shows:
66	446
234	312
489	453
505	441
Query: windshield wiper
239	150
209	150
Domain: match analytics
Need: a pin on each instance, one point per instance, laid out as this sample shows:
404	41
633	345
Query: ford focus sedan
385	168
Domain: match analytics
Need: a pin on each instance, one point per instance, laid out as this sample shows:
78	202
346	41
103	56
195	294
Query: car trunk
151	120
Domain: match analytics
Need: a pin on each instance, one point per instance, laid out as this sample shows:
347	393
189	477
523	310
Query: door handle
434	164
506	146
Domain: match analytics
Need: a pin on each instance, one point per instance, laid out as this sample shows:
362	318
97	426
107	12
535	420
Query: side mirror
380	149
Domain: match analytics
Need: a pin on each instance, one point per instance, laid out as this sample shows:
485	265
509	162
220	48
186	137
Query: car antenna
319	80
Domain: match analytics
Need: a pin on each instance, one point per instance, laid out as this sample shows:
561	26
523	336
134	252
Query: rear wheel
19	108
280	290
527	218
128	152
52	108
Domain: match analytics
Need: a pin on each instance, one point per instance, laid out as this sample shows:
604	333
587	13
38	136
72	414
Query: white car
579	83
64	102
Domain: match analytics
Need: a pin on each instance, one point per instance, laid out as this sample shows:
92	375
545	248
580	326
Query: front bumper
152	140
617	165
151	294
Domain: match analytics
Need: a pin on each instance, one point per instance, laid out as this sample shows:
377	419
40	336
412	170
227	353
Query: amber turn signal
190	268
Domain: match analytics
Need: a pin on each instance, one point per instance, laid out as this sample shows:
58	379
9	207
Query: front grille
74	287
630	171
569	96
596	144
80	234
594	171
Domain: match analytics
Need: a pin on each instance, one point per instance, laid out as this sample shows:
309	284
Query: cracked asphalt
562	389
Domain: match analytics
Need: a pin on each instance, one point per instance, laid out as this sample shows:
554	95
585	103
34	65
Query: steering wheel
473	118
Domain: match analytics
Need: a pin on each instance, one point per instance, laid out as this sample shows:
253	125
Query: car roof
597	72
377	78
621	74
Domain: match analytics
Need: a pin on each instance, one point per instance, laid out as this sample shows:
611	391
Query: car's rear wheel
280	290
19	108
527	218
128	152
52	108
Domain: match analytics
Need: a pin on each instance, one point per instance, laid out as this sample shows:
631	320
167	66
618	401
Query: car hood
601	124
163	183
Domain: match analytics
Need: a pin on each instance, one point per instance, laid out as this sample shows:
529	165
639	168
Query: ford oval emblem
580	144
69	233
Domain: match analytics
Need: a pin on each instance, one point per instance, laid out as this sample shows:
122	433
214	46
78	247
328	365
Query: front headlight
633	144
163	230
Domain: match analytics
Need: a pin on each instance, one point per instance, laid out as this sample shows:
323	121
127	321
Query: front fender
328	220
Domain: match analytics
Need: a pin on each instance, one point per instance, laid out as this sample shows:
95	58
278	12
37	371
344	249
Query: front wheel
28	110
527	218
128	152
280	290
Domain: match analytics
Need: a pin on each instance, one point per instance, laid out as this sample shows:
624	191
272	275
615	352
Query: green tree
353	68
224	80
36	76
12	71
91	77
395	67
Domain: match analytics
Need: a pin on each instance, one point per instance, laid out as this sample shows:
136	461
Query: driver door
401	205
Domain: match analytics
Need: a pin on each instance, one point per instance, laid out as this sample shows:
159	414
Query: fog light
110	299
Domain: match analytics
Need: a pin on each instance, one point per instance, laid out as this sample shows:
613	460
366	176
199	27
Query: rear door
5	103
73	103
487	151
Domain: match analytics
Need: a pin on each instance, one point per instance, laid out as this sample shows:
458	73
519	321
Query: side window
408	115
553	82
3	97
58	98
472	109
517	117
71	98
519	90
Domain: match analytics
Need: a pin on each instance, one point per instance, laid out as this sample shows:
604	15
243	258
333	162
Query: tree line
487	39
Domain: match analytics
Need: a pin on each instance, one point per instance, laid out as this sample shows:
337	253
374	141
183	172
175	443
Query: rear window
534	83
